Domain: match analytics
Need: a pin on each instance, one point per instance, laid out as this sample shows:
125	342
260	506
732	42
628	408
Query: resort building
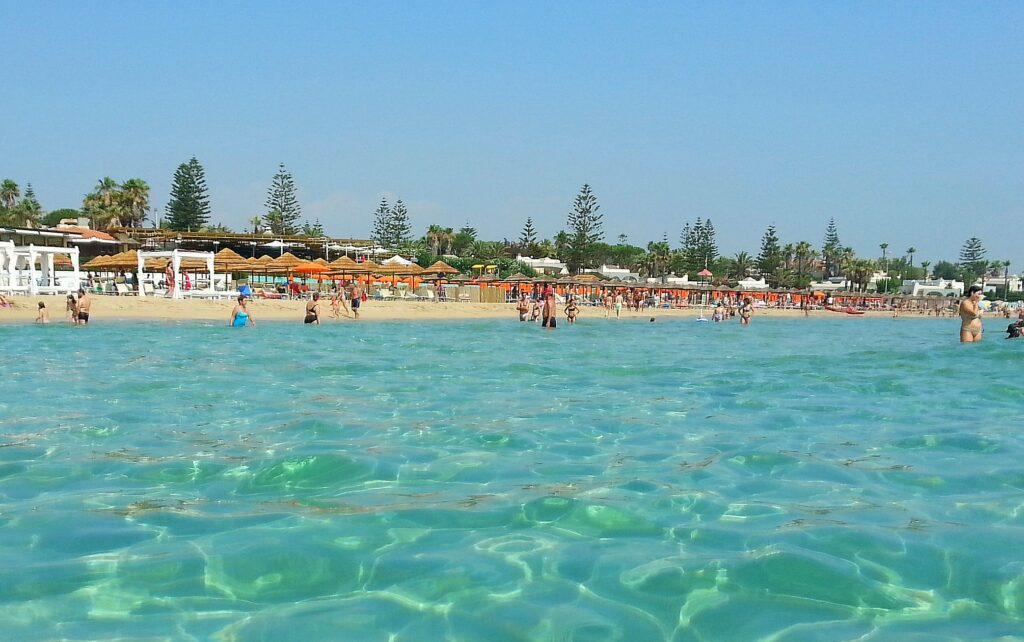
750	283
615	272
546	265
933	287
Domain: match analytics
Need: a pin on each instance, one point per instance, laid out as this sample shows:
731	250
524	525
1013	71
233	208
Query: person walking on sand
970	315
240	316
746	312
83	308
313	310
355	297
169	279
44	315
338	303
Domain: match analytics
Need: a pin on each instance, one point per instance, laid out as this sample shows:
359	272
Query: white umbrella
380	250
278	244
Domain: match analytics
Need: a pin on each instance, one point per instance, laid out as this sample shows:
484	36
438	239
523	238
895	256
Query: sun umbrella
96	263
518	277
285	263
310	267
440	267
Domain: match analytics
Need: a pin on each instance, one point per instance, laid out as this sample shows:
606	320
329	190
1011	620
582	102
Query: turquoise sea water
839	479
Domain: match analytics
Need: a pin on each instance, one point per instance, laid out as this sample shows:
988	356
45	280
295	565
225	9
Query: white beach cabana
175	256
18	269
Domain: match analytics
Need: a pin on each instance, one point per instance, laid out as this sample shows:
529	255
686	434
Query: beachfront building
750	283
932	287
545	265
831	284
999	285
615	272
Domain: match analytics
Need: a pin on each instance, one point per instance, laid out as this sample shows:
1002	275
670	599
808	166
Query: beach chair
464	298
270	294
122	289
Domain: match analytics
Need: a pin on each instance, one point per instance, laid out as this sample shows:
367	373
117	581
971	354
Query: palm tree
256	222
804	253
885	262
845	259
1006	278
910	255
741	264
9	194
658	255
924	266
135	200
435	238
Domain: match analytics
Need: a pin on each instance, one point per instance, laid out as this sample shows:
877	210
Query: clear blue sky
904	121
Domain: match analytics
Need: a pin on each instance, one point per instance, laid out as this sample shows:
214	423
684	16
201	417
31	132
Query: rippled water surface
799	479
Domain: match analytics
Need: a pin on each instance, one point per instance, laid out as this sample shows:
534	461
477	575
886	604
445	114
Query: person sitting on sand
970	316
240	316
83	308
5	302
571	311
44	315
313	310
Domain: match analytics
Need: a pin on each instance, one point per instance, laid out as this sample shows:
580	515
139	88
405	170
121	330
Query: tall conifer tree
189	205
400	231
282	200
381	233
585	229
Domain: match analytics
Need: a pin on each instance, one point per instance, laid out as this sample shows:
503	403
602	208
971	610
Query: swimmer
44	315
240	316
71	307
523	307
970	316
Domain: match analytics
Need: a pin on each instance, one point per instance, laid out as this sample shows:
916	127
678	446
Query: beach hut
439	268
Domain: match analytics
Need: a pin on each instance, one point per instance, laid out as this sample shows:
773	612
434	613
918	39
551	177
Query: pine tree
528	238
30	198
584	225
189	206
972	260
400	230
770	258
707	246
281	198
316	229
831	249
382	224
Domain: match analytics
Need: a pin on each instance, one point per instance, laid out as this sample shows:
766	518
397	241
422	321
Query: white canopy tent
16	261
176	256
397	260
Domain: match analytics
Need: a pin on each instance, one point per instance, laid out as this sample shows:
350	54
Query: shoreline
160	309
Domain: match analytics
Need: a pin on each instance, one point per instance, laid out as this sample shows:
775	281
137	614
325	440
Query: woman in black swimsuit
313	310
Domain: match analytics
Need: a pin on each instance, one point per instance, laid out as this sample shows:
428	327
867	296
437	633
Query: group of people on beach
348	299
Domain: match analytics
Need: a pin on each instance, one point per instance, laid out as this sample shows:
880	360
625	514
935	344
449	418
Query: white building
933	287
750	283
615	272
546	265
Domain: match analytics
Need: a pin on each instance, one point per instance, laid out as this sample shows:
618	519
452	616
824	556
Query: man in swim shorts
549	311
355	298
84	305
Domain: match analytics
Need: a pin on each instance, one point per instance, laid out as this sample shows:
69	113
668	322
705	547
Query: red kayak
832	308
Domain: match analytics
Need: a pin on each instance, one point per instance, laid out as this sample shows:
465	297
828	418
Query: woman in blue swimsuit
240	315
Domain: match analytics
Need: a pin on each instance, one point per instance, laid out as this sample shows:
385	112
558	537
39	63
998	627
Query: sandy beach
133	308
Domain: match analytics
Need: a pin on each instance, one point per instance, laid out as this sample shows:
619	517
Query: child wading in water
72	309
44	314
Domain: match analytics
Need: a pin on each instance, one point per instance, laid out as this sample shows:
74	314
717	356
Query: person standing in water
549	311
970	316
313	310
746	312
71	307
44	315
571	311
83	308
240	315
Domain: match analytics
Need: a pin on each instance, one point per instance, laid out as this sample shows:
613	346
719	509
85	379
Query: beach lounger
122	289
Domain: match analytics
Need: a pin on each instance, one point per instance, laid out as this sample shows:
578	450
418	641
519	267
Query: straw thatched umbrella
370	266
439	268
227	260
518	277
127	260
345	265
286	262
96	263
